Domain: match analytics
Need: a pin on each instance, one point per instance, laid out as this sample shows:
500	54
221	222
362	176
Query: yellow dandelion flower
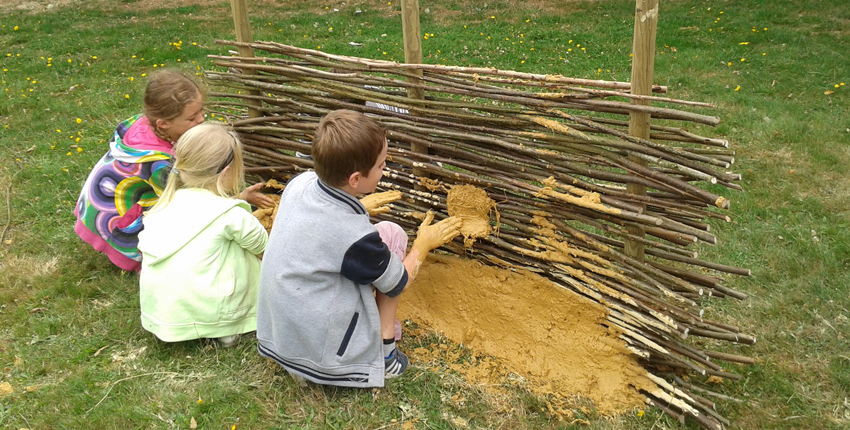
640	413
79	120
492	17
126	96
144	74
58	131
729	63
68	154
737	88
79	149
522	62
16	28
94	57
836	85
743	59
69	60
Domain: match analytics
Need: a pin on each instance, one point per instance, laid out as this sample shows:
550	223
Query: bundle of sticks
554	154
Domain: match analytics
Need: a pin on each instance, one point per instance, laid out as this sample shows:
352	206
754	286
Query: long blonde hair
200	156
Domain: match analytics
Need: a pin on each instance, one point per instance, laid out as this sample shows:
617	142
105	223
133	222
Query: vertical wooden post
243	34
643	65
413	55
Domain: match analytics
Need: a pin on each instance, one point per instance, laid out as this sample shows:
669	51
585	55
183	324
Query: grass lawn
71	345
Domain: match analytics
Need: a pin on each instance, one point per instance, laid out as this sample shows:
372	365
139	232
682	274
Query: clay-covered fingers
379	210
375	203
253	196
449	229
429	216
433	236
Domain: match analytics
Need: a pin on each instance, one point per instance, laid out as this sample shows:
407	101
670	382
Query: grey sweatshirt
316	313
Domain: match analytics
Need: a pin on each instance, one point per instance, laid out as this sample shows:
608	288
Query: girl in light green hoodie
200	244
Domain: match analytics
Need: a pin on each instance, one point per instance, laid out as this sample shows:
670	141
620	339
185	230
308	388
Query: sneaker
228	341
395	364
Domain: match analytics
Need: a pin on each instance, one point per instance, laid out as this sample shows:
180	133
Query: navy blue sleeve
366	260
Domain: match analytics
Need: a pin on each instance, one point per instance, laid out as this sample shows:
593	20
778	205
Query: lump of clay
267	215
472	205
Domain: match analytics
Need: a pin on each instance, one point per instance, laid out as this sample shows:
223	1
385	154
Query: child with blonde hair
129	178
200	245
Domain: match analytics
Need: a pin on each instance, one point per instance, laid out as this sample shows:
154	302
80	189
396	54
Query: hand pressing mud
434	236
375	203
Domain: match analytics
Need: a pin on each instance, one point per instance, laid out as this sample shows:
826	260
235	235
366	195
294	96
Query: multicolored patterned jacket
120	188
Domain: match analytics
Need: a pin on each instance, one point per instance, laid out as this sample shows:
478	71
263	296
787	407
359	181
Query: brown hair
200	156
167	94
346	142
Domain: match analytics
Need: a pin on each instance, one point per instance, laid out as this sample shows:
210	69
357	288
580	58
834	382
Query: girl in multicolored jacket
200	270
130	177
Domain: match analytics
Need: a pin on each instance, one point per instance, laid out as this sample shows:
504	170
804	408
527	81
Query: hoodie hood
135	142
168	229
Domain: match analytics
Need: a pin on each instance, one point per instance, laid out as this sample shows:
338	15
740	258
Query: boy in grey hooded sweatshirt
329	284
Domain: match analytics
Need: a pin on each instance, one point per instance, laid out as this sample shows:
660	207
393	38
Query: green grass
69	325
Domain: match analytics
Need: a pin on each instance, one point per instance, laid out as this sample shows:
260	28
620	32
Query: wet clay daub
472	205
546	333
266	215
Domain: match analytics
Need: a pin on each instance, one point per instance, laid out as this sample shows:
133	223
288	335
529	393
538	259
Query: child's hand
256	198
434	236
375	202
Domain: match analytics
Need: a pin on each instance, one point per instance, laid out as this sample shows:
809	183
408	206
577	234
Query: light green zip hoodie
200	269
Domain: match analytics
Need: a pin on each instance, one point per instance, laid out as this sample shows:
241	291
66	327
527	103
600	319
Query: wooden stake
643	64
243	34
413	55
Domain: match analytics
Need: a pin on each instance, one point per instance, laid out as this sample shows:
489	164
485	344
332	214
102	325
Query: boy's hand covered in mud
375	202
433	236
